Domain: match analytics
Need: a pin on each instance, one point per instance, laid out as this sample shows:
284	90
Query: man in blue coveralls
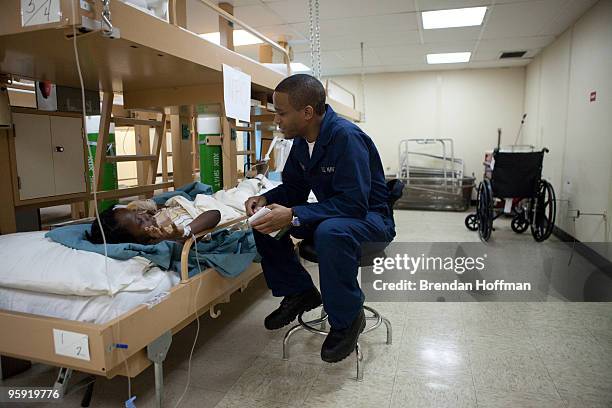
340	164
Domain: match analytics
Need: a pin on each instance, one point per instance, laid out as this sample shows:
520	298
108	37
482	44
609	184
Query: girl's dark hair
114	232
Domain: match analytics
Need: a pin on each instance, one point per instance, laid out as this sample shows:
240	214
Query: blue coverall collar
323	139
324	132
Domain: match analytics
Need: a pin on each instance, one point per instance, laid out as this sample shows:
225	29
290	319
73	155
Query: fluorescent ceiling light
463	17
299	67
448	58
241	37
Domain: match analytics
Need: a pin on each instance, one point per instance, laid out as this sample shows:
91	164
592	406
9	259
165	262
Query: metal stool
306	251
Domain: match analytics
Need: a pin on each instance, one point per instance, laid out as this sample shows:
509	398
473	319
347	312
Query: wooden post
177	12
164	159
226	28
181	147
77	210
7	205
265	54
158	142
105	120
285	45
229	150
143	147
195	149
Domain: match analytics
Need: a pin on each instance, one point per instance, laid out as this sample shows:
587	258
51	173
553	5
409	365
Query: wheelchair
516	175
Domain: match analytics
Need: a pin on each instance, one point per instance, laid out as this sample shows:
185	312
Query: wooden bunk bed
160	68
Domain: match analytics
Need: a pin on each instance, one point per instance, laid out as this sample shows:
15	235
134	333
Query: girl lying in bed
141	222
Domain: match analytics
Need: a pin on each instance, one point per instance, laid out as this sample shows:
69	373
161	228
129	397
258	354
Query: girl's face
136	223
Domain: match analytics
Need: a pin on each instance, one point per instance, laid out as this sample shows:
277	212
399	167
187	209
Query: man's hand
254	203
278	218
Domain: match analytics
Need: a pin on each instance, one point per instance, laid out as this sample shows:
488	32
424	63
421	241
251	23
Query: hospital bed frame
142	329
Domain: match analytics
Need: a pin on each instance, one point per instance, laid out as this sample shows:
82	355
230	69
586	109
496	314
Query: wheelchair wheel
471	222
519	223
544	211
485	210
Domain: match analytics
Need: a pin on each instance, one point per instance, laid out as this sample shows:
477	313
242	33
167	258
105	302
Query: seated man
341	165
141	223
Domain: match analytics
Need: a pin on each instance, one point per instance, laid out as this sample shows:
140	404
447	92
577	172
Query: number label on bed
71	344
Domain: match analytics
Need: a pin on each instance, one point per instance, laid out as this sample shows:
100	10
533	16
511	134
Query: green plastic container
109	174
211	160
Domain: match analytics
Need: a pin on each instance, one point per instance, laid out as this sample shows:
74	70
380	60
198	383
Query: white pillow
29	261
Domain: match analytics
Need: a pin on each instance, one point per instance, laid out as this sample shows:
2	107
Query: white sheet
93	309
229	202
35	263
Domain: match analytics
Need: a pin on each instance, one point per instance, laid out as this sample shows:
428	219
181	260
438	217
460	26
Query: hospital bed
433	177
123	344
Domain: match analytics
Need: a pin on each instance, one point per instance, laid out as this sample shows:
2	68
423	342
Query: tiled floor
553	354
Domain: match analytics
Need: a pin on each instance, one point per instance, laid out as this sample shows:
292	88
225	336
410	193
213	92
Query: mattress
93	309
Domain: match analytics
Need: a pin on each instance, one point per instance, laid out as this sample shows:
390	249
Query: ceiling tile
493	55
364	27
353	57
521	19
295	11
425	5
328	60
282	31
257	15
446	34
566	16
353	41
516	43
388	53
291	11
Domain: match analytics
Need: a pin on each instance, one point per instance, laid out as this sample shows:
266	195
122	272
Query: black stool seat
307	251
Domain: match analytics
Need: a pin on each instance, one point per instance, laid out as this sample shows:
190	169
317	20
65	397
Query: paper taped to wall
236	94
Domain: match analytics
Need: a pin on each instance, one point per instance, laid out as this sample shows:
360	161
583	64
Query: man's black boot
291	306
339	344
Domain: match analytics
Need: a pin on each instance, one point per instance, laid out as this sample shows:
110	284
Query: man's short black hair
304	90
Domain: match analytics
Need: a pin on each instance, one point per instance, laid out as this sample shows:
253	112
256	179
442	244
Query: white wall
577	132
465	105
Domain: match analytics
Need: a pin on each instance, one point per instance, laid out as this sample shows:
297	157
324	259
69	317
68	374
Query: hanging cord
311	37
317	39
314	38
363	102
95	183
195	311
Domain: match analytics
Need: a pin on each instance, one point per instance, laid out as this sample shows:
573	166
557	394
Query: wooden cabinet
49	155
